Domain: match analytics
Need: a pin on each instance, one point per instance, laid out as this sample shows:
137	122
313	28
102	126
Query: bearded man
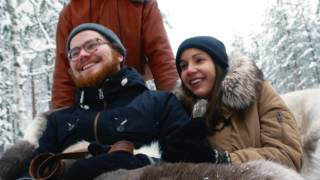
138	23
113	105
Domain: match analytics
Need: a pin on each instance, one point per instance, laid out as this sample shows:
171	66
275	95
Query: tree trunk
33	93
17	113
48	76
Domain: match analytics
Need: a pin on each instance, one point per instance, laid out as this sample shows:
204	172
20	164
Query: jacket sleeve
280	139
173	116
157	48
153	117
63	89
48	141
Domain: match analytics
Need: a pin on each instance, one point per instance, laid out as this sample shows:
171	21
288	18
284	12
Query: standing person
244	120
138	24
113	104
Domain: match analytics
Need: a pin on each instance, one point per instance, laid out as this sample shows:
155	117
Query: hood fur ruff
239	87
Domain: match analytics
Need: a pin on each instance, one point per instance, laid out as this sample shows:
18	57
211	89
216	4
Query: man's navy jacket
123	108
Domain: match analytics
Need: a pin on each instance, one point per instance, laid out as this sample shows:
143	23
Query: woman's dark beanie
210	45
104	31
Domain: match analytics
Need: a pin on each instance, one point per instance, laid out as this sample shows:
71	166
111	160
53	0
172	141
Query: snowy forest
287	49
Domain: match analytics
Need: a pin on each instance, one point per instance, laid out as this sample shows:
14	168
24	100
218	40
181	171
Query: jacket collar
127	80
239	87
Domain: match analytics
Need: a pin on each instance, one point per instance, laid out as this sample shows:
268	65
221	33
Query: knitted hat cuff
104	31
215	49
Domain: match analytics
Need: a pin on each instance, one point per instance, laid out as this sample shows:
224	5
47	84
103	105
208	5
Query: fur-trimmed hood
239	87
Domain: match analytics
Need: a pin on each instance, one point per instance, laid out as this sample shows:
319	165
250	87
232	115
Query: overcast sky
221	19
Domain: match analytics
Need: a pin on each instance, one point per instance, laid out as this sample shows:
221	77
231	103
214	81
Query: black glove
190	144
92	167
96	149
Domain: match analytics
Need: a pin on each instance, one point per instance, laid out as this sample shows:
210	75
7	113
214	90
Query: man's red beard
97	78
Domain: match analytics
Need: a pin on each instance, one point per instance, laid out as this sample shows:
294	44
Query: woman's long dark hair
213	114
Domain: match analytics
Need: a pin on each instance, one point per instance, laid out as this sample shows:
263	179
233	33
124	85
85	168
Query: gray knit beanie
104	31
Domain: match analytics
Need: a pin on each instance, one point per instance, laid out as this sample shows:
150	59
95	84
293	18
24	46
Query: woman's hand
190	144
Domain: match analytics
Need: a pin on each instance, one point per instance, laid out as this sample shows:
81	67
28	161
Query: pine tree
27	31
287	50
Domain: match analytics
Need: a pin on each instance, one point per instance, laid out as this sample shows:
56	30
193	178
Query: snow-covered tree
27	33
287	49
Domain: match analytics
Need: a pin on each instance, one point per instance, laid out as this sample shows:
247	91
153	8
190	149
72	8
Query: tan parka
259	125
139	25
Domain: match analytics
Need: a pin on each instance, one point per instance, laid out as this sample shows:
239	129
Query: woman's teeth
195	81
87	66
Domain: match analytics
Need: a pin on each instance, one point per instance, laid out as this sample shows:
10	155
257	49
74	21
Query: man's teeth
195	81
87	66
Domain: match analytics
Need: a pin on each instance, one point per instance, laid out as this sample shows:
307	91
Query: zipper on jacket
101	96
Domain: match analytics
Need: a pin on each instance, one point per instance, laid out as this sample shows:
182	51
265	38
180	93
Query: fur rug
254	170
12	160
305	106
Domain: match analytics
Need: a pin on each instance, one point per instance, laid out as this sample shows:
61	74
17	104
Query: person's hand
98	164
190	144
96	149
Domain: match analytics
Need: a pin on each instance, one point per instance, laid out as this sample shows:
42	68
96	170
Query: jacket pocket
135	125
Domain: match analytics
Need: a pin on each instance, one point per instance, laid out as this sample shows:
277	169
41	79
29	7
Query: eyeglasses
89	46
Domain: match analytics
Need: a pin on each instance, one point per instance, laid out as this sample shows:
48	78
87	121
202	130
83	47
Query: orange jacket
139	26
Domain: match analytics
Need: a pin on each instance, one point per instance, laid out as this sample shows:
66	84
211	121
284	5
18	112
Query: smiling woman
199	83
244	118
